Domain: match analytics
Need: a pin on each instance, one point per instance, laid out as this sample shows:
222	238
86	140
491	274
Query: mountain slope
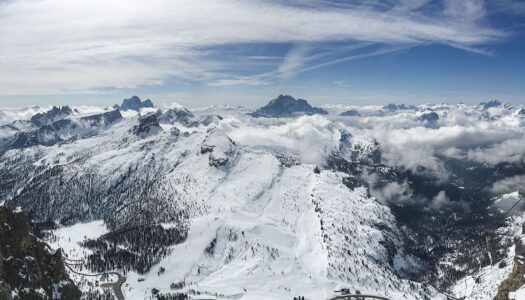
28	270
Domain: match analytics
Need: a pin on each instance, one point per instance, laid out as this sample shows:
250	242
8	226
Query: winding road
117	285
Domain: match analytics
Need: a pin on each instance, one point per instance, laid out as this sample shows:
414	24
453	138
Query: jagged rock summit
52	115
178	114
287	106
430	117
148	125
494	104
134	103
491	103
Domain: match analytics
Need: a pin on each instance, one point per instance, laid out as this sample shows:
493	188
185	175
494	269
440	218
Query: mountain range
288	200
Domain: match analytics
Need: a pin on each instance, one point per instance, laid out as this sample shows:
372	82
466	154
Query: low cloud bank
310	138
462	132
10	114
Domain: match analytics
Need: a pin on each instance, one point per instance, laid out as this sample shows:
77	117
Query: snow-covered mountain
393	201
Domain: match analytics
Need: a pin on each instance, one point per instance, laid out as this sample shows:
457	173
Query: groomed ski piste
271	246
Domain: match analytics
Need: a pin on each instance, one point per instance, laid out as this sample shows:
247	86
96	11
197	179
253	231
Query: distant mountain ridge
56	113
287	106
55	126
394	107
134	103
200	193
350	113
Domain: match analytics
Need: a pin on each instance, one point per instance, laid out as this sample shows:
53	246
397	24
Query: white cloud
389	192
309	138
461	132
10	114
440	201
466	10
510	184
60	46
393	191
237	81
292	62
510	151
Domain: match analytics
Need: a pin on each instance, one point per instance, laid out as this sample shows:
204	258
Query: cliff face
516	278
28	268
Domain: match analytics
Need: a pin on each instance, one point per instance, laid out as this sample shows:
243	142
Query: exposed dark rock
44	136
9	127
345	141
64	124
148	125
134	103
391	250
350	113
364	151
26	265
287	106
47	135
219	146
516	278
288	160
56	113
58	131
106	118
430	117
175	131
491	103
353	182
178	115
217	161
209	119
206	149
23	140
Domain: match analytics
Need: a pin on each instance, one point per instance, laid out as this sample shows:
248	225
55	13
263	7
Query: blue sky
247	52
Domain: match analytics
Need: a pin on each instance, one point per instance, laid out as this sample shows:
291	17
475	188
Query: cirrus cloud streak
59	46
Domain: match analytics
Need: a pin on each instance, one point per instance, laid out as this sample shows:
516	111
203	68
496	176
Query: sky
246	52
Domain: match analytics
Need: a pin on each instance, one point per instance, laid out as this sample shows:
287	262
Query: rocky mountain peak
177	115
52	115
135	103
148	125
491	103
430	117
364	151
287	106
